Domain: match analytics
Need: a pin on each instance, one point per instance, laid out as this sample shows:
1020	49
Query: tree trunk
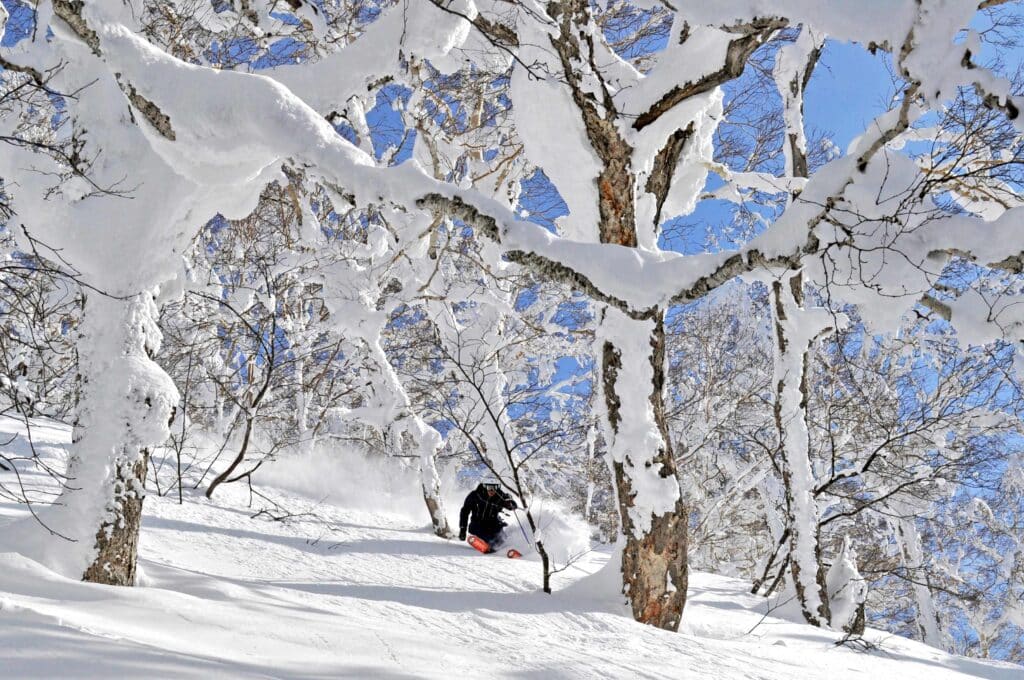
128	406
591	479
302	432
912	555
436	510
429	441
654	565
125	409
795	332
545	558
117	541
239	457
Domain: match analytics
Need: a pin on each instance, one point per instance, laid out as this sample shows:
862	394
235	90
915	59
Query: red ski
479	543
482	545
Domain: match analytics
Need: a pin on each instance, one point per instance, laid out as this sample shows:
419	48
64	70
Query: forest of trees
595	249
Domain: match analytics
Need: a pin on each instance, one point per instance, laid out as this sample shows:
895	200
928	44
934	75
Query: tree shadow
310	545
41	649
44	650
452	601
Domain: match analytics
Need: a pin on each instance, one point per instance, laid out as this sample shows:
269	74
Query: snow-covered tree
161	134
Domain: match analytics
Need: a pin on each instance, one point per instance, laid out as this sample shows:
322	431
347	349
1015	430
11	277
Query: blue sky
849	88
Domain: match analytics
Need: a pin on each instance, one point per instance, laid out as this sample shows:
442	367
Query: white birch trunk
428	442
926	617
795	331
125	409
305	438
654	566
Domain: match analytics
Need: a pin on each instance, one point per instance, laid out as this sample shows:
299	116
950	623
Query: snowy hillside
369	593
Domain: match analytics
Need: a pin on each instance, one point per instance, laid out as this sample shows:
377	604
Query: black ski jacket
486	512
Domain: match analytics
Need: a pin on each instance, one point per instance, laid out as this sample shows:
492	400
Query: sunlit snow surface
373	594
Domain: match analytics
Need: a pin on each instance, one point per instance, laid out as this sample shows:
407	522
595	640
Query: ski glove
462	534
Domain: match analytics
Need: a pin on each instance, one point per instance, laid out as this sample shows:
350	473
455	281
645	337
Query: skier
485	504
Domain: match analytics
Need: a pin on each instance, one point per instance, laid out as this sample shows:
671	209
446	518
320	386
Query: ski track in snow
357	594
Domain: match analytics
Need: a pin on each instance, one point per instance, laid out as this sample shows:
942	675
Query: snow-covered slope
358	593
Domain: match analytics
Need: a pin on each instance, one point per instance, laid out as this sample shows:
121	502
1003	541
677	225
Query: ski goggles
490	487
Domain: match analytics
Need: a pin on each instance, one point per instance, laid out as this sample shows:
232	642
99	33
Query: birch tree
627	148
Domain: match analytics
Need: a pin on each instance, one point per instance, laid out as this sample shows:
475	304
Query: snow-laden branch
210	139
737	51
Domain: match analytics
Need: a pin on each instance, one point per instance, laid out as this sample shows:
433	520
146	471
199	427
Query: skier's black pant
493	536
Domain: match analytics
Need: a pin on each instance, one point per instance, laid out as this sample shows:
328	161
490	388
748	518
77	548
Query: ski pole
520	522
